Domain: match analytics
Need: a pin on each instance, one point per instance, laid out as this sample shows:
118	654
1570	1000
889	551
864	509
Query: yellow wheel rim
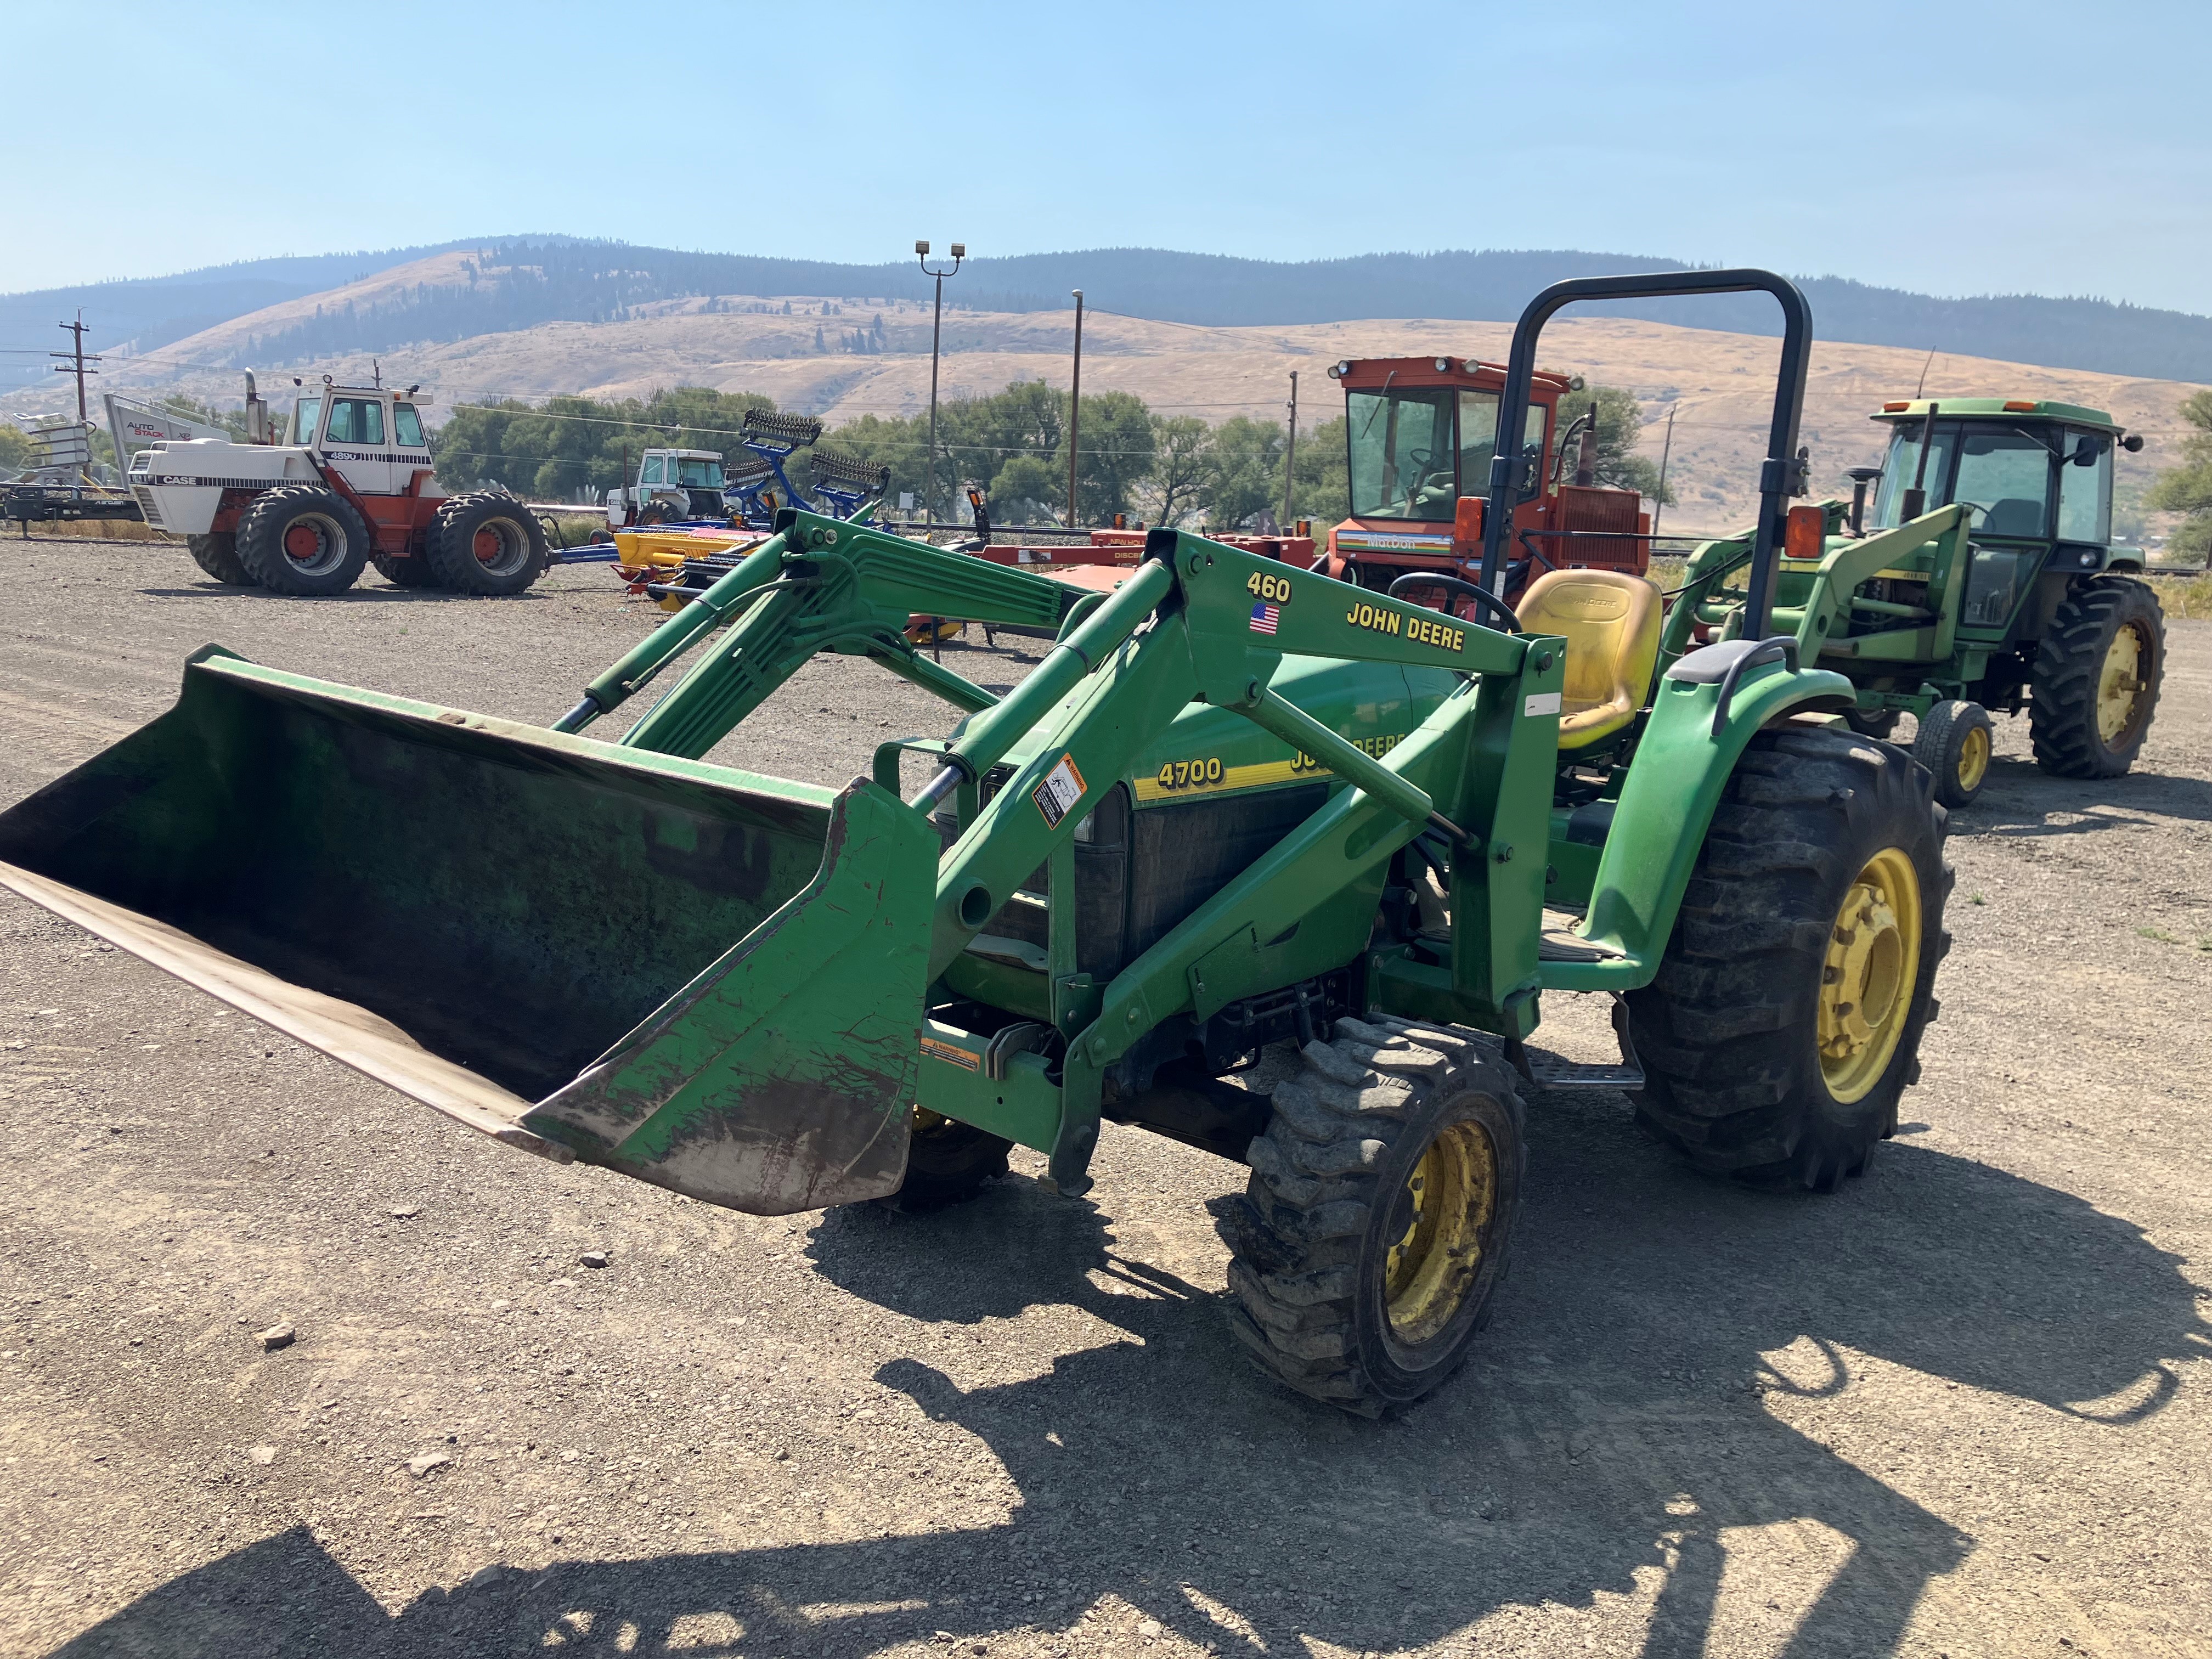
1866	980
1453	1191
2120	684
1974	759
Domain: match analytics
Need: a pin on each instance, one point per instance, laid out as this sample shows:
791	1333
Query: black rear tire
486	542
2097	676
1376	1228
1752	1064
1871	722
216	553
947	1162
303	539
1954	743
413	571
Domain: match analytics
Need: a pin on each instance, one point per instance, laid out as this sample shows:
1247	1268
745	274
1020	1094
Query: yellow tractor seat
1610	622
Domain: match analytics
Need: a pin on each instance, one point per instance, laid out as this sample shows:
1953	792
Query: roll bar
1781	476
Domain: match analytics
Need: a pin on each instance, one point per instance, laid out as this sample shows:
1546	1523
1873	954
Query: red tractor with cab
1421	435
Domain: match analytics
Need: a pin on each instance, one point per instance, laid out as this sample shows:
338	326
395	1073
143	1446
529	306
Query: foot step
1552	1073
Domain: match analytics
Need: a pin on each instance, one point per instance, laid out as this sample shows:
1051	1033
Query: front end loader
1236	805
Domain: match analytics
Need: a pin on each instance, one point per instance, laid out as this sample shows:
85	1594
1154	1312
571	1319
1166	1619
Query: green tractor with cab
1985	581
1238	805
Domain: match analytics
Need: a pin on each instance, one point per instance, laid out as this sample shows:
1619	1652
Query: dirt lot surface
1960	1408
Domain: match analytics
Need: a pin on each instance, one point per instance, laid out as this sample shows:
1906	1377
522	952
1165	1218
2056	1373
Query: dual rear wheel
306	540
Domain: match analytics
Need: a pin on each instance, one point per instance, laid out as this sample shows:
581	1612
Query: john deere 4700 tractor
1236	805
1985	581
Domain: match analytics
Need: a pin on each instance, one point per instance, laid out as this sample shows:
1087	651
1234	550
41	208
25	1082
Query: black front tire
2098	672
1871	722
488	542
303	539
1953	742
216	553
1376	1228
1739	1032
947	1162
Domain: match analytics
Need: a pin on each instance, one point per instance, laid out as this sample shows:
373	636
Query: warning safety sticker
1062	787
951	1054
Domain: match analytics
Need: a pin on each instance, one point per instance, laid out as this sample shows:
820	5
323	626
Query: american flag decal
1265	617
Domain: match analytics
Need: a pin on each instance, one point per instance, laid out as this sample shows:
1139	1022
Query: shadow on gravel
351	596
1612	1431
2021	798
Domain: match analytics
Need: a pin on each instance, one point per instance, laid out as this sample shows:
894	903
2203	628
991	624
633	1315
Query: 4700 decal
1190	774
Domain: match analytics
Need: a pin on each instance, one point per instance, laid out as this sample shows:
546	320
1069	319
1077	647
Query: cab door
357	443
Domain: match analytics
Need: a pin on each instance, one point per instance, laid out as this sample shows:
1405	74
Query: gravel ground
1959	1409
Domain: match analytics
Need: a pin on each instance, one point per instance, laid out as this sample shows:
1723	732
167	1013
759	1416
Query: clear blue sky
1942	145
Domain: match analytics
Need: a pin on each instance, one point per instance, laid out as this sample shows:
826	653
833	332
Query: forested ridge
520	283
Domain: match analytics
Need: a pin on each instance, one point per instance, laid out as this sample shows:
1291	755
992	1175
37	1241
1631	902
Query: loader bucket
705	978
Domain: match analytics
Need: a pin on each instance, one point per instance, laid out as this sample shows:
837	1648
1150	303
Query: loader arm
819	584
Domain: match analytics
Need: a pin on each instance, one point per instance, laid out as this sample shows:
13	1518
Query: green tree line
569	447
2187	489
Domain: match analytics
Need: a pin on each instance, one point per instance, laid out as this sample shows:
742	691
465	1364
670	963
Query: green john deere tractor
1238	804
1986	579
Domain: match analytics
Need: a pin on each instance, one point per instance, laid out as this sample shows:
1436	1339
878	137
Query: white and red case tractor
348	483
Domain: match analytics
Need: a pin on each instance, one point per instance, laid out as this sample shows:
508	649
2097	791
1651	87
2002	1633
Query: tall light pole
1291	455
936	330
1075	409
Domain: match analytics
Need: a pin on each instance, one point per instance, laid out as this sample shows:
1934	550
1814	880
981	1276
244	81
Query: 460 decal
1263	585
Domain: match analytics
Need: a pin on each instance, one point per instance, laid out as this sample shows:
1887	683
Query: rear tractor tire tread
1727	1032
2061	710
1310	1238
450	546
267	518
216	553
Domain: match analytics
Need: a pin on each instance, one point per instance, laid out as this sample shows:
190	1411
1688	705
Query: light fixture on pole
936	331
1075	409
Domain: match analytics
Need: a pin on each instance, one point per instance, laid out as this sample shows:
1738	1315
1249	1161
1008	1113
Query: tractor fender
1683	761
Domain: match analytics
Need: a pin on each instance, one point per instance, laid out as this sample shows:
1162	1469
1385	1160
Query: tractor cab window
699	475
356	421
656	470
305	414
1901	467
1478	438
2085	493
2002	472
1401	455
2006	474
407	425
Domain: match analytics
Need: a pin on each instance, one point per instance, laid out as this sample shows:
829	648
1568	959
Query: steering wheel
1453	585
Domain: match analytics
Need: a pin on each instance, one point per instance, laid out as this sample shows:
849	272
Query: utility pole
1291	455
73	361
1075	409
1666	452
936	333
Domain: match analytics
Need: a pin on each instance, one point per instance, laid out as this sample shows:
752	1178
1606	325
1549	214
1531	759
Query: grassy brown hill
872	357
